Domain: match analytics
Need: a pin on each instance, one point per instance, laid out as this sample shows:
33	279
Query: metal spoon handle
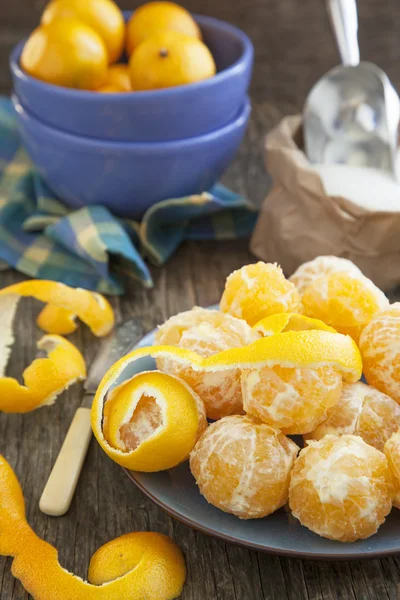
343	15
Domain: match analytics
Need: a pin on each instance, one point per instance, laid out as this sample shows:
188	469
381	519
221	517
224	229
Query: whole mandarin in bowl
153	17
67	53
243	467
104	16
169	59
117	79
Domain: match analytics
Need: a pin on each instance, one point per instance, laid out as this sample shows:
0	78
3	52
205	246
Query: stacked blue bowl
130	150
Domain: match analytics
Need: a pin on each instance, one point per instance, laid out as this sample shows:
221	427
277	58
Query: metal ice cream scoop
352	114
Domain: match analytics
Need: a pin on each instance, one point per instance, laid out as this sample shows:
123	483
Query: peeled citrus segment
341	488
380	350
362	410
133	566
45	378
55	319
312	270
345	301
150	422
207	332
392	453
243	467
257	291
91	308
282	322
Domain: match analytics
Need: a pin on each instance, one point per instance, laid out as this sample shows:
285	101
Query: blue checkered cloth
90	247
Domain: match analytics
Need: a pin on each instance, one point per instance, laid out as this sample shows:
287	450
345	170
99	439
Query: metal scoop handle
343	15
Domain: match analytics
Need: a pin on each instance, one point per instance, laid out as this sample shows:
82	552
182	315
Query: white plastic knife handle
60	488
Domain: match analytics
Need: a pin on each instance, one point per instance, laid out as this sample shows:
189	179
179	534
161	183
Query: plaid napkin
89	247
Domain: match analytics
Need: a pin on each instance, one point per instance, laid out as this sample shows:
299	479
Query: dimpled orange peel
344	300
132	567
150	422
380	350
257	291
296	398
362	410
113	410
242	466
45	378
309	271
341	488
207	332
392	453
91	308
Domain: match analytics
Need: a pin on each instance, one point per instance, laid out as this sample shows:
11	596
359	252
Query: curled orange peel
45	378
310	348
132	567
55	319
282	322
91	308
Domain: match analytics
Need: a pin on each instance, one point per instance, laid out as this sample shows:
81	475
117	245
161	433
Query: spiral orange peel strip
282	322
310	348
55	319
134	566
45	378
91	308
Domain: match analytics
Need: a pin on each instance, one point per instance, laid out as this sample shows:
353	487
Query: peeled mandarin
341	488
153	17
362	410
309	271
392	453
66	53
257	291
242	467
168	59
380	351
207	332
104	16
294	400
345	301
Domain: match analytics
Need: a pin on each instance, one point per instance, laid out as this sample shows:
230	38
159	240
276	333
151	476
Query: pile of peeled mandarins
280	357
84	44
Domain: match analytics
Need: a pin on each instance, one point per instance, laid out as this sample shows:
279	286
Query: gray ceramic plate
175	491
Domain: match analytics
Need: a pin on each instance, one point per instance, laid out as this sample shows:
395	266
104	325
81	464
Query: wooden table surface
293	48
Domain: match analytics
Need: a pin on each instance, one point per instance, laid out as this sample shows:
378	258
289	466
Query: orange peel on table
134	566
308	348
91	308
45	378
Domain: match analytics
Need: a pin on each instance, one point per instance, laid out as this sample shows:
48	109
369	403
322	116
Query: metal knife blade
112	347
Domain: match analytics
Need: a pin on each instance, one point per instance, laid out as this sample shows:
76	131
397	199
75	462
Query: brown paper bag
298	221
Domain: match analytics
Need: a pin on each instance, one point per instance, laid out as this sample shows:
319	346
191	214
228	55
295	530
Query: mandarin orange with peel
103	16
341	488
345	301
149	422
320	266
257	291
392	453
242	466
153	17
207	332
68	53
362	410
168	59
380	351
117	79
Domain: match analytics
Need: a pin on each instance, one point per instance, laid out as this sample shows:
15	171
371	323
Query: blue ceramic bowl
160	115
128	177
